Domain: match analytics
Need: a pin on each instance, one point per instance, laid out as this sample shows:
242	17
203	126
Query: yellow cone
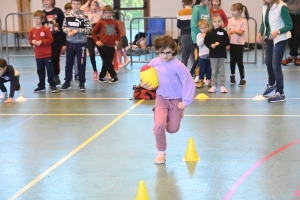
142	193
202	96
191	154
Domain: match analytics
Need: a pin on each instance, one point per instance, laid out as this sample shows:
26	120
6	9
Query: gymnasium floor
99	144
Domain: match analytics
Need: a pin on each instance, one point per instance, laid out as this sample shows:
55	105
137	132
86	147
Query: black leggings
91	47
236	57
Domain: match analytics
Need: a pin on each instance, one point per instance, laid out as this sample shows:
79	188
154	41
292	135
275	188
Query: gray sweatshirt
77	21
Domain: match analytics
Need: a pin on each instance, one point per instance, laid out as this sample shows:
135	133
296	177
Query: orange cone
142	193
191	154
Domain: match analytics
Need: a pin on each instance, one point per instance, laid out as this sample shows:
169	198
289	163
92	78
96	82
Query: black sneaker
269	89
232	79
65	86
82	87
54	90
242	83
277	98
102	80
76	77
57	80
39	90
113	80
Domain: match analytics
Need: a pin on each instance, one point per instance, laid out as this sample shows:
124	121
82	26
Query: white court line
34	114
246	115
226	115
129	98
81	99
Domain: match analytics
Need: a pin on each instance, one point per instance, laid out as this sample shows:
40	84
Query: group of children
80	27
209	37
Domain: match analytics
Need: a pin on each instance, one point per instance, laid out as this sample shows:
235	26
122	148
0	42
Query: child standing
54	18
99	9
41	38
8	73
109	36
217	40
236	29
200	11
204	61
215	8
184	17
123	42
94	15
176	90
76	25
68	8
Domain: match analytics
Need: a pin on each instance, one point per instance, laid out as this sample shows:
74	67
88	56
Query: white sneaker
212	89
160	157
223	89
3	95
196	79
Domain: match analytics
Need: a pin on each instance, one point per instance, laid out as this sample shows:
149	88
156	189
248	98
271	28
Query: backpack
142	93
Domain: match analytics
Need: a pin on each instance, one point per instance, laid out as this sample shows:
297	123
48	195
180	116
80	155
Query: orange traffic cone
191	154
142	193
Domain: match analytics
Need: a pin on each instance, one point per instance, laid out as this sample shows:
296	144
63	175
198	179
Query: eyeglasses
168	53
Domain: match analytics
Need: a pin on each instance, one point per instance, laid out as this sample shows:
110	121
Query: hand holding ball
149	77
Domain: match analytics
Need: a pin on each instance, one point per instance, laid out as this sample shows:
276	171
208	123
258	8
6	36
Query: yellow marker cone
191	154
202	96
142	193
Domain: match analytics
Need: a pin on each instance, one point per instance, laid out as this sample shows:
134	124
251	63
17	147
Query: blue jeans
78	50
273	58
205	68
187	48
41	64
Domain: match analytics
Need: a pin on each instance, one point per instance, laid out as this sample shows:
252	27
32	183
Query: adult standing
276	25
294	41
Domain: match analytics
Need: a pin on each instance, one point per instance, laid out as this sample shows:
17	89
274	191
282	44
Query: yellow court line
53	167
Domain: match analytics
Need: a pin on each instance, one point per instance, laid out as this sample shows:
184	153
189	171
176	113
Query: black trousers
107	55
236	57
294	41
56	50
90	43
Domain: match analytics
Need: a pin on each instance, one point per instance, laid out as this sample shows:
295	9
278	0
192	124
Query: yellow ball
148	75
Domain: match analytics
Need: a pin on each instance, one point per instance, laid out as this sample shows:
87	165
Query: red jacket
108	31
223	15
43	34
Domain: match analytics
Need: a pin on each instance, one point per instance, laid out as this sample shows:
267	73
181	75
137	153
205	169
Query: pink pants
167	116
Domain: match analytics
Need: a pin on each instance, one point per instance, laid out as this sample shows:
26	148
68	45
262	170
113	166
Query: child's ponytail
241	7
246	12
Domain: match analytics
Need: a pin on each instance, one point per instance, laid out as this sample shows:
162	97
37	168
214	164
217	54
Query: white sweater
203	50
276	21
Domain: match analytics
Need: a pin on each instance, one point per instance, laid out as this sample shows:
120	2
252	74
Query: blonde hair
275	1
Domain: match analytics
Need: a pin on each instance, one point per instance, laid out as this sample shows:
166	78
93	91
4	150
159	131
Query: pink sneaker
212	89
160	157
95	76
223	89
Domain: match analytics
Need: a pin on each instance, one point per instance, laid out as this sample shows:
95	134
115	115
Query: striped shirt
184	21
